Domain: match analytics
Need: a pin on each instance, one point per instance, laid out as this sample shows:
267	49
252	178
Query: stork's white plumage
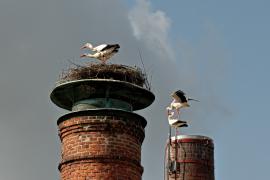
103	51
96	49
102	56
180	100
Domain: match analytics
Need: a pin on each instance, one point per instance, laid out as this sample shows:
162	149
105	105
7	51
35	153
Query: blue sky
240	30
217	52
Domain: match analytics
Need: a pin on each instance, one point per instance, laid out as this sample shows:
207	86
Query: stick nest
105	71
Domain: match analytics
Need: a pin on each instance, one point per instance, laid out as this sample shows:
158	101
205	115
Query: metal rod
176	152
169	152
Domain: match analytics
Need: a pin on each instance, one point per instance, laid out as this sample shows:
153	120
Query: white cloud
152	27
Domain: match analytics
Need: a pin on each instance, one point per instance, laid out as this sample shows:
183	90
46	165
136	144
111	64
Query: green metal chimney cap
66	95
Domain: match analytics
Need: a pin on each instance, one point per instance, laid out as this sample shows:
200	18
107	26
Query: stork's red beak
83	47
83	55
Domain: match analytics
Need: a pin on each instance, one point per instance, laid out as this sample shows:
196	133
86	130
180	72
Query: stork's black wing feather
181	95
109	46
183	99
179	92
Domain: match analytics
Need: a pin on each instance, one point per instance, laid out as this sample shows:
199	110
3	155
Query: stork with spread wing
103	52
180	100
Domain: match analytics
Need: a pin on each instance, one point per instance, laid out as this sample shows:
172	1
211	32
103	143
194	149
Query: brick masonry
100	147
195	159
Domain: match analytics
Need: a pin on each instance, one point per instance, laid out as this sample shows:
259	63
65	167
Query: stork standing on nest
103	52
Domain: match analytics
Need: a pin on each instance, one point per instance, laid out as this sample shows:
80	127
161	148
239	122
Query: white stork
103	52
173	111
180	100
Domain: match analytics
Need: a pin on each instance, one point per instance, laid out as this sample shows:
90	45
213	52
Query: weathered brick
101	147
194	157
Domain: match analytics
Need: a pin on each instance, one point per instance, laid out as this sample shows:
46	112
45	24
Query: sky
217	52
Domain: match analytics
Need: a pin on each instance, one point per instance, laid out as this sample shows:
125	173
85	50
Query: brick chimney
101	137
190	157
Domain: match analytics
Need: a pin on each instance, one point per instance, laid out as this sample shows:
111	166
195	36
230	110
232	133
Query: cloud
152	28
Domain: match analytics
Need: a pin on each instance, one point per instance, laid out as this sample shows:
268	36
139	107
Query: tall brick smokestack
101	137
190	157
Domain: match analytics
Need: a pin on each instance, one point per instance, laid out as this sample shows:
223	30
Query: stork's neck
90	46
91	55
